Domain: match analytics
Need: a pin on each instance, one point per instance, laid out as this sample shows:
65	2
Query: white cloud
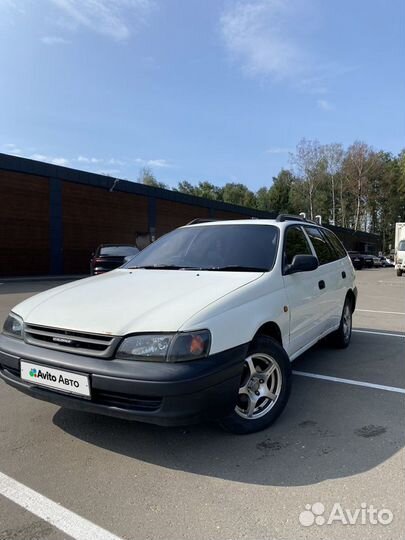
114	161
104	165
54	40
11	148
50	159
93	160
84	159
60	161
325	105
258	34
112	18
13	5
278	150
272	38
160	163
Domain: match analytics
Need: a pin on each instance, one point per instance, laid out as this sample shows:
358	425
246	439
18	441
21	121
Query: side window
336	243
322	248
295	243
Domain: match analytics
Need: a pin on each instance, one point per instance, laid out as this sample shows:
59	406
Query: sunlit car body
201	324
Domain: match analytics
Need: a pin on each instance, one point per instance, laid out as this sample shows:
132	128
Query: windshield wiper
227	268
236	268
163	267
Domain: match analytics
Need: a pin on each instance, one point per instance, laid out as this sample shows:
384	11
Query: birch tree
334	154
310	164
360	161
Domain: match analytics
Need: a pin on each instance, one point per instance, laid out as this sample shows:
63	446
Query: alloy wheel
347	322
260	386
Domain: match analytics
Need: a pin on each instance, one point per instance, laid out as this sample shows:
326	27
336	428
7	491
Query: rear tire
264	389
399	273
341	337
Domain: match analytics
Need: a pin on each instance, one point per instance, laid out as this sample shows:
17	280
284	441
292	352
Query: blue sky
198	89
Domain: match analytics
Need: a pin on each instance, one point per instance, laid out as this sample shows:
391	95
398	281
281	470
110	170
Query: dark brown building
52	218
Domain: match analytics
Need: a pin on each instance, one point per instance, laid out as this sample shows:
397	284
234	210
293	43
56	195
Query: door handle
321	284
344	274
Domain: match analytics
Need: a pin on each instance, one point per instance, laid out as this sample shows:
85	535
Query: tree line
356	187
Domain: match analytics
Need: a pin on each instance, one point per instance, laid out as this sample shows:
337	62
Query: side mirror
128	258
302	263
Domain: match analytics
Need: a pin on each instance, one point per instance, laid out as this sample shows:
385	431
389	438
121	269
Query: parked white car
202	324
400	248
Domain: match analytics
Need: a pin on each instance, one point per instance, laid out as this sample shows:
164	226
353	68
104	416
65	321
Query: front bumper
158	393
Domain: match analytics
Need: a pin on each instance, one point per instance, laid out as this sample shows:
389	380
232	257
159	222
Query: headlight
166	347
13	326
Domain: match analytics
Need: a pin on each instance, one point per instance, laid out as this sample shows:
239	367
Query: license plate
56	379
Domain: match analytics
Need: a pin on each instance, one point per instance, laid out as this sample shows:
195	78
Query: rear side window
118	251
336	243
322	248
295	243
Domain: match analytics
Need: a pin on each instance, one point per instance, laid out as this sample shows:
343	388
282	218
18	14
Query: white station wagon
202	324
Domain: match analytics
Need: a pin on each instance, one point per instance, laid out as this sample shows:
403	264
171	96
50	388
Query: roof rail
202	220
291	217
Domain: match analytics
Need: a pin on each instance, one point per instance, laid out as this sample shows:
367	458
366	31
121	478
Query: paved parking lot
337	442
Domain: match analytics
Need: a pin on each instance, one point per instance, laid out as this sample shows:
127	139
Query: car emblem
62	340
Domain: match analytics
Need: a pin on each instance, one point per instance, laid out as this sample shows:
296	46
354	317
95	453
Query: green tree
263	199
202	189
279	197
186	187
210	191
236	193
147	177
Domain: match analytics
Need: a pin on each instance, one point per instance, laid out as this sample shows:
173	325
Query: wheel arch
270	329
352	297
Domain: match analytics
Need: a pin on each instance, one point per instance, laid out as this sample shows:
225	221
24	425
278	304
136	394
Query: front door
303	293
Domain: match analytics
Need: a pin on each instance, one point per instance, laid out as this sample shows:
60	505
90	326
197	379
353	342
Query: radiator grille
70	340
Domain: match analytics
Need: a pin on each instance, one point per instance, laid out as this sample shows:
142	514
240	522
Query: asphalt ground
337	443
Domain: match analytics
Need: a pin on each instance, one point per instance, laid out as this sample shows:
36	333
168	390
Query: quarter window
295	244
336	243
322	248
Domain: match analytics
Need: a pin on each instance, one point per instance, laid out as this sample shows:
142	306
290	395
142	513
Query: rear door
330	278
302	291
346	273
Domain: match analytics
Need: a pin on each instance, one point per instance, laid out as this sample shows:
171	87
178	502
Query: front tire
264	389
399	273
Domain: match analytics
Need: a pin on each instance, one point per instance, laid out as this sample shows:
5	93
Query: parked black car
377	263
110	256
361	260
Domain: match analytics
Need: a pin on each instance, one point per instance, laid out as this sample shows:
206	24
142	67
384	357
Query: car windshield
118	251
213	247
401	246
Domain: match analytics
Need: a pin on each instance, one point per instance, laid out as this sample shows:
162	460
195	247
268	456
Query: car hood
125	301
